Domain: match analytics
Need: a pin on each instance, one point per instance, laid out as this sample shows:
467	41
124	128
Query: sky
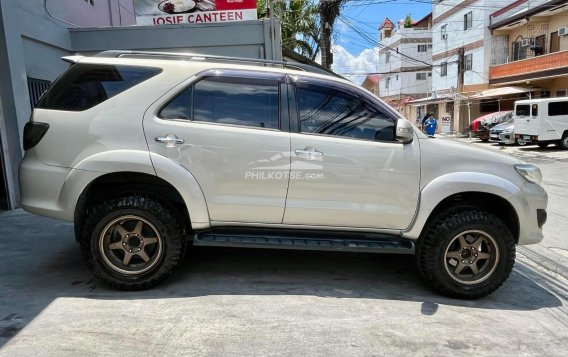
356	52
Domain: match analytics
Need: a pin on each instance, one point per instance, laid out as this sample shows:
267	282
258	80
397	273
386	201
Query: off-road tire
432	247
162	216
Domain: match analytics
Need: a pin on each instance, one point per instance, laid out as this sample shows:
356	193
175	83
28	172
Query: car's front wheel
466	254
133	242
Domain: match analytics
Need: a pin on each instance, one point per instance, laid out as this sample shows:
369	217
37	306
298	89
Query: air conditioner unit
527	42
445	36
563	31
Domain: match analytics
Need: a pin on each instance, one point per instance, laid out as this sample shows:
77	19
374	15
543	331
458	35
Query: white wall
404	83
458	37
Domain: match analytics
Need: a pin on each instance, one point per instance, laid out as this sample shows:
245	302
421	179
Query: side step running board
382	244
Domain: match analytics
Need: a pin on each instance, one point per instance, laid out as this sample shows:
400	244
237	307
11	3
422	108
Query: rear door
347	168
229	130
526	120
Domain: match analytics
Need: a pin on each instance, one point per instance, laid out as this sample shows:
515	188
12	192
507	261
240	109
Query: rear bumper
50	191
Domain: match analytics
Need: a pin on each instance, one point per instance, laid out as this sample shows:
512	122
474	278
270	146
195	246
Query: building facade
371	83
405	58
530	47
461	41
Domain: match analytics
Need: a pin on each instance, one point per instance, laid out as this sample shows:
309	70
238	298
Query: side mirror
404	131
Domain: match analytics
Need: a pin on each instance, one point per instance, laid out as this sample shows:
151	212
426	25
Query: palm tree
299	24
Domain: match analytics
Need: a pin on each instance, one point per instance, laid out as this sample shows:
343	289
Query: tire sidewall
431	254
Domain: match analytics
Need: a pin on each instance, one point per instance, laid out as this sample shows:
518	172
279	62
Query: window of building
558	108
387	57
397	77
36	87
545	94
554	42
421	76
201	102
329	111
468	59
443	33
387	83
561	93
489	106
539	45
518	51
92	2
444	69
84	86
468	21
422	48
430	74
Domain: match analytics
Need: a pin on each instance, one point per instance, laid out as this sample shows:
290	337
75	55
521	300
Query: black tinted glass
558	108
85	85
523	110
238	101
331	112
179	107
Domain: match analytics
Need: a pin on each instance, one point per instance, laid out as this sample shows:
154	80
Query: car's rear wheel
466	254
520	142
133	242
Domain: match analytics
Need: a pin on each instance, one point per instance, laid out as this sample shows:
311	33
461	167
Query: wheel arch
482	191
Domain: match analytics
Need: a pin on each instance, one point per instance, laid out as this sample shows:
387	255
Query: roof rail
212	58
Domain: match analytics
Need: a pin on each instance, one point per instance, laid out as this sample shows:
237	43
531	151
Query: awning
499	92
430	100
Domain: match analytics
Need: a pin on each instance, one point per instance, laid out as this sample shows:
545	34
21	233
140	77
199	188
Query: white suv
149	152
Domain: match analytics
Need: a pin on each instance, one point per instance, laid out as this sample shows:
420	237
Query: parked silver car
504	133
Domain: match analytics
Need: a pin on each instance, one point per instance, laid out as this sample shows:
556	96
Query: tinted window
534	110
558	108
523	110
331	112
239	101
179	107
85	85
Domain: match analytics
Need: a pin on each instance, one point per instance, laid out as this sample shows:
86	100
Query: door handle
170	140
309	153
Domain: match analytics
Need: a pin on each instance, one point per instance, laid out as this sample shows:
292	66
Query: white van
542	121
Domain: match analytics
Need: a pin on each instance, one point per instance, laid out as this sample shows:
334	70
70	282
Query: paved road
258	302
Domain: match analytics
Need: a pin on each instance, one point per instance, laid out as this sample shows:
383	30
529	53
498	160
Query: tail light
33	132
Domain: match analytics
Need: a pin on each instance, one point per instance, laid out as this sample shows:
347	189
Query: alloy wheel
471	257
130	245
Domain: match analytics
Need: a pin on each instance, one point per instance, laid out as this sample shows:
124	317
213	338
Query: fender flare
450	184
136	161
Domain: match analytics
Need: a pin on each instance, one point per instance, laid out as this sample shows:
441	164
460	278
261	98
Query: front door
347	168
224	128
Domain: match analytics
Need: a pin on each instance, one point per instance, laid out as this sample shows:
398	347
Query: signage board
167	12
445	123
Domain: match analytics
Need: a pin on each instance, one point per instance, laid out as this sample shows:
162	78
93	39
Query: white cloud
350	66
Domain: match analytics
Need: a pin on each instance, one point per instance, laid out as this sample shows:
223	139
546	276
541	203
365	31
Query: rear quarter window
84	86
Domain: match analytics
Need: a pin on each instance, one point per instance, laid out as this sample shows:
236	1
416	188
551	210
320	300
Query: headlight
529	172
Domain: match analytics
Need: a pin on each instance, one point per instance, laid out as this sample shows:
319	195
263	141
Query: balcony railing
532	68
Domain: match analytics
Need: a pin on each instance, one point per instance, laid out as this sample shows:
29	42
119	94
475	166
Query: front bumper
530	202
